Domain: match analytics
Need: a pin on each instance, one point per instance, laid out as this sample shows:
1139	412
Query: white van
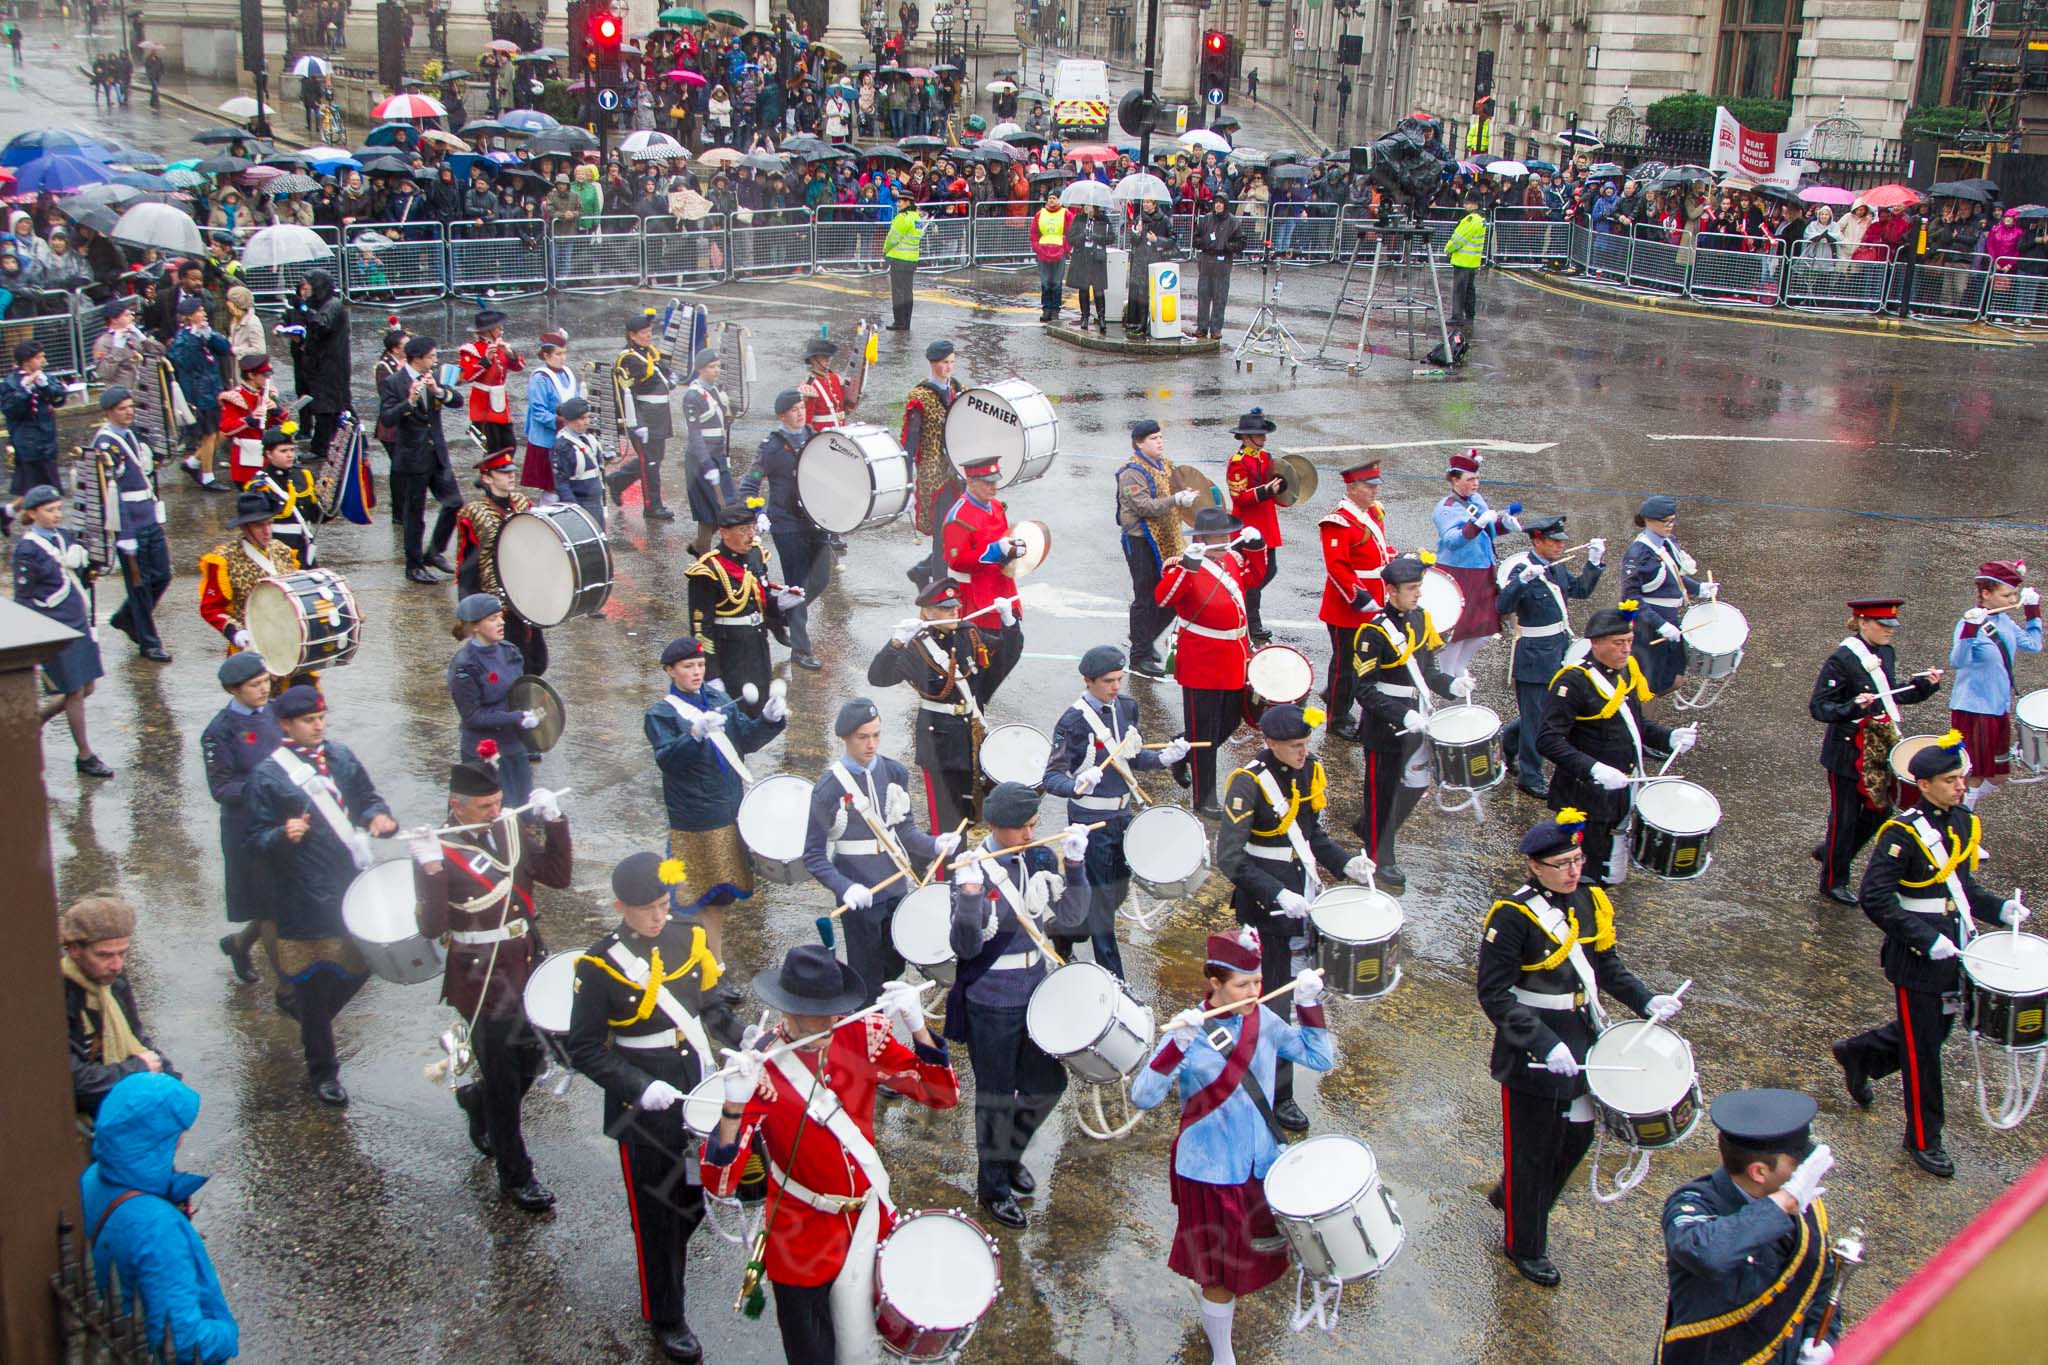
1080	100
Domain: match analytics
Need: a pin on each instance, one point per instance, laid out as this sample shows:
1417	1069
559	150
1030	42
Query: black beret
853	715
477	606
1402	569
1566	830
276	436
1285	722
113	396
302	700
43	494
681	648
1658	506
705	356
237	669
1142	428
637	879
787	399
571	409
1945	755
1010	806
1101	659
1610	621
736	514
472	779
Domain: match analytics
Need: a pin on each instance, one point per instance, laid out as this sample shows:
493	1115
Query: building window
1942	46
1759	43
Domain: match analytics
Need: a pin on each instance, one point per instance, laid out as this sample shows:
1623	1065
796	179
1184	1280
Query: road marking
923	295
1779	440
1501	447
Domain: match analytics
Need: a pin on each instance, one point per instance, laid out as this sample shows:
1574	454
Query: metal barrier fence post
1949	293
770	242
948	242
56	321
1656	263
690	253
279	283
1002	233
601	256
504	259
847	239
2017	291
394	265
1837	283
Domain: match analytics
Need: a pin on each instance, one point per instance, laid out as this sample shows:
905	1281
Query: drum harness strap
718	738
474	859
70	578
864	807
1113	746
1563	624
1878	682
1669	572
319	790
1026	920
947	664
1617	699
824	1109
651	978
1215	571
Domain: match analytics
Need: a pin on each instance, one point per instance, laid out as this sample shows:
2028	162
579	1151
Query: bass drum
1013	421
1443	599
852	479
304	620
554	563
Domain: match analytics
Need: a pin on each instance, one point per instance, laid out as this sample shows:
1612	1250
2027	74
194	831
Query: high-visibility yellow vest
1052	227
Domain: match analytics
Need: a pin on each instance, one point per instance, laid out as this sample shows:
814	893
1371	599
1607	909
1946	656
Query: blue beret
704	357
42	495
786	400
1101	659
1942	756
1548	836
237	669
938	350
476	607
1658	506
1766	1120
1010	806
853	715
1284	722
681	648
302	700
572	408
113	396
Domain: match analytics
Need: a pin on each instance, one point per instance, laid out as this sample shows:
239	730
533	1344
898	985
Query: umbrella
1889	197
919	142
97	215
534	56
1578	137
720	157
888	154
447	76
444	139
527	121
1247	156
1777	192
1091	151
224	165
1290	171
641	141
373	242
389	134
504	45
921	72
23	148
328	165
479	127
674	153
1471	168
1140	185
182	179
1507	168
142	180
221	136
1032	96
551	54
245	106
160	226
1001	87
133	158
1606	170
2031	211
293	184
291	161
817	154
1968	190
258	175
685	76
1547	167
59	174
285	244
991	149
683	14
386	165
1673	176
315	155
409	106
1224	121
1082	193
763	162
563	141
1206	140
1827	194
311	66
1282	157
726	16
1057	173
1005	128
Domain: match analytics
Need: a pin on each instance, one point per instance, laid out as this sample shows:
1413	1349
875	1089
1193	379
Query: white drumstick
1642	1033
1542	1066
483	824
778	688
2023	905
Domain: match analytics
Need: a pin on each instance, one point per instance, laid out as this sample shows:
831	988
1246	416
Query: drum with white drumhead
2030	729
1900	760
704	1105
1461	743
774	817
380	912
1358	940
303	620
1012	420
554	563
854	478
1280	675
1673	831
2005	990
550	994
1339	1220
1443	599
936	1274
921	929
1715	634
1168	851
1644	1087
1015	753
1083	1017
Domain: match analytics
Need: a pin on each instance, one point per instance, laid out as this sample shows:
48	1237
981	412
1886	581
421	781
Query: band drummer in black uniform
802	549
1536	588
641	387
733	606
939	661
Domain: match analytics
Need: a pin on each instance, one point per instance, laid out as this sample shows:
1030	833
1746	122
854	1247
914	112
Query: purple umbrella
1832	195
59	175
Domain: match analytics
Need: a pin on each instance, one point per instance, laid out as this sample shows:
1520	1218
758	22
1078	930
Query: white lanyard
298	518
686	1023
565	384
501	893
70	579
1112	744
1937	848
1879	683
1558	927
1312	885
586	465
717	737
1606	692
867	810
259	559
1423	701
316	790
1215	571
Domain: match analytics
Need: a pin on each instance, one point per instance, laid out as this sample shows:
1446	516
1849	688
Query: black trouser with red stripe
1911	1044
1851	822
1540	1148
949	796
666	1203
1341	693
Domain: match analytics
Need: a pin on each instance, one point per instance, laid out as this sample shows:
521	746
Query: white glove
1361	868
529	720
2013	913
660	1095
1198	550
1943	949
1006	612
1251	539
1710	591
1308	987
1087	781
967	879
126	547
1525	572
944	845
700	724
905	632
1461	686
716	719
762	526
1613	779
1293	904
713	475
1596	550
2029	597
1670	632
1177	750
1074	843
1816	1352
640	435
1560	1062
1413	722
1185	1026
858	897
545	805
242	639
899	1000
788	599
743	1074
1684	738
775	710
1804	1183
1184	498
1976	616
1662	1007
1488	517
75	557
425	850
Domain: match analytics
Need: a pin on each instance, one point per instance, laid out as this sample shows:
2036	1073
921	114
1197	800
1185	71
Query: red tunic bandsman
487	365
976	544
826	405
1355	554
1254	486
245	411
1206	588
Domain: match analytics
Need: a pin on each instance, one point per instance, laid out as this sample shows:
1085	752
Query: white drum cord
2019	1093
1104	1130
1708	691
719	1208
1631	1174
1325	1297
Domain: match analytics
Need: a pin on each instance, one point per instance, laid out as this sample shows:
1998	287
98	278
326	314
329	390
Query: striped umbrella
409	106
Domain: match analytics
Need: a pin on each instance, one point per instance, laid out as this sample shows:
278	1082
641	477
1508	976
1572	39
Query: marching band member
1146	503
828	1191
824	392
310	803
578	469
866	794
1986	643
487	364
1656	571
475	886
1397	666
1466	530
409	404
231	570
289	486
1855	698
1254	484
641	389
707	447
240	736
246	412
940	666
1206	588
1746	1246
1546	951
976	544
698	734
1096	750
1269	845
803	550
1535	586
480	679
1355	553
47	568
1594	730
547	389
732	605
29	398
129	469
1917	886
924	436
388	364
478	526
1015	1083
641	1026
1224	1238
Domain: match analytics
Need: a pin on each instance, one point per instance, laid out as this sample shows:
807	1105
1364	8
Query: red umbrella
409	106
1091	151
1889	196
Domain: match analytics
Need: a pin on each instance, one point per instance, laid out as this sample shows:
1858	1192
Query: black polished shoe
469	1100
440	561
1004	1210
679	1343
1209	808
1150	666
1390	874
1345	729
1840	894
809	661
1260	635
420	575
1511	760
157	654
533	1196
1854	1077
659	514
1934	1161
1536	1270
896	327
92	765
1289	1116
238	958
1541	793
330	1092
1498	1197
1021	1180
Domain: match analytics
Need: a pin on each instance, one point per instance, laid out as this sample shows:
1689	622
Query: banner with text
1766	158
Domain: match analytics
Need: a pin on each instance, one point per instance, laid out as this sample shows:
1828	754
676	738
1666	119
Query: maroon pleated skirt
539	469
1213	1241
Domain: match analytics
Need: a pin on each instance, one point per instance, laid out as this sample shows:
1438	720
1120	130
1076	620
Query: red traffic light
605	29
1217	42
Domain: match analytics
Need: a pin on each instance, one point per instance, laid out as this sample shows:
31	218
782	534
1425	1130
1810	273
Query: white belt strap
831	1204
1210	632
837	1121
937	658
687	1024
1628	717
1669	570
1014	962
1925	905
1312	884
1393	689
1113	754
1554	924
1873	667
1938	847
672	1040
943	708
511	929
303	776
718	738
1107	803
1539	1000
1536	632
1271	852
865	808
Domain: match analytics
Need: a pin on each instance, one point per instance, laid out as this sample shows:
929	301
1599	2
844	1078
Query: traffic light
1215	62
607	36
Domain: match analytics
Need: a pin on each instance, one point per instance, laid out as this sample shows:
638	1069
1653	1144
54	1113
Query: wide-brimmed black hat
251	507
811	981
1214	521
1254	423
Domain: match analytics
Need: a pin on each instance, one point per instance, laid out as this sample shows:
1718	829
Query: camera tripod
1267	335
1401	254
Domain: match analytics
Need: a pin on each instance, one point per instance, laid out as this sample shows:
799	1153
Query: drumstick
1641	1033
1541	1066
932	871
985	854
882	885
481	824
796	1044
2023	905
1192	744
1221	1010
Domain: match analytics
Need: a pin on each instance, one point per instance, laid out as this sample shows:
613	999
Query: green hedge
1694	113
1945	120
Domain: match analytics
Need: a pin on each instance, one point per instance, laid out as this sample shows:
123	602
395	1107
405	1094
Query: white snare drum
1015	753
2005	990
1443	599
854	478
1358	940
554	563
921	928
1900	759
550	993
703	1106
1013	421
303	620
1714	636
774	816
1280	674
1461	747
379	912
936	1274
1656	1101
2030	729
1084	1017
1168	851
1037	538
1673	832
1339	1220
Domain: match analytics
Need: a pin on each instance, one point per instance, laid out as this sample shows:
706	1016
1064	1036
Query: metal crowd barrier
1521	235
948	243
1838	283
1002	233
394	265
1607	255
602	256
54	321
1952	293
1724	275
279	283
1658	264
847	240
769	242
503	259
2017	291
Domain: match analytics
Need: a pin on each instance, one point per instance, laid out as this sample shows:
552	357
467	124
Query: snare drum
921	928
936	1274
2030	729
1339	1220
1083	1016
1714	636
1443	599
1673	831
704	1106
774	817
1358	941
1037	538
1461	748
379	910
1013	421
554	563
1015	753
550	992
1901	757
2005	990
1280	675
854	478
303	620
1657	1103
1168	851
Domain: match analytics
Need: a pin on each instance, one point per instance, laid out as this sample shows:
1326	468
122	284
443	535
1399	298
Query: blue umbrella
528	121
390	134
143	180
339	163
23	148
59	175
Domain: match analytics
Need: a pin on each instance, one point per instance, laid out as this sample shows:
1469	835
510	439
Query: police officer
940	664
1095	748
1534	588
640	388
707	452
129	472
1269	844
803	550
1746	1246
1546	951
480	679
1916	886
1396	669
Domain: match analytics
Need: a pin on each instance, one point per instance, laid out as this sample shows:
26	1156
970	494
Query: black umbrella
224	165
1777	192
817	154
1606	170
564	141
506	172
222	136
1057	173
477	127
1282	157
89	213
1290	171
888	154
290	160
1672	176
919	142
1970	190
1023	139
763	162
1225	121
387	165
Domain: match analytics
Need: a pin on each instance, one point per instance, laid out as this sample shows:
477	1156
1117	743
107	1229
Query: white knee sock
1971	795
1216	1322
